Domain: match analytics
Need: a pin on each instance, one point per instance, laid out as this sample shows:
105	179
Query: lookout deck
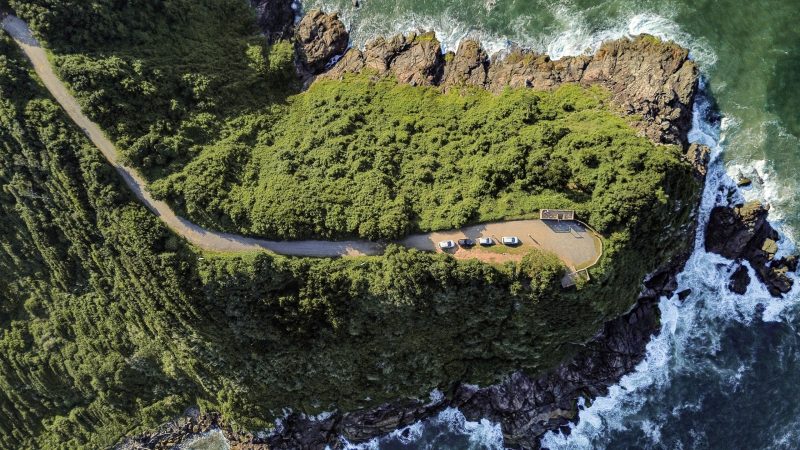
557	214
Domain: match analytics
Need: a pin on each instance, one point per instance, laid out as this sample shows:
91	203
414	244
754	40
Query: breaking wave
570	32
687	328
449	430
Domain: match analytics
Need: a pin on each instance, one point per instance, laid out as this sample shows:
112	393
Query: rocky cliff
742	233
648	78
526	407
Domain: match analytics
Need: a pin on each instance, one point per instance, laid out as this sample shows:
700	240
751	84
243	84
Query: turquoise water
725	370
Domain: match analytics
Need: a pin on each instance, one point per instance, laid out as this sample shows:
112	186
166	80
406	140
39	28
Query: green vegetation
208	119
379	160
110	324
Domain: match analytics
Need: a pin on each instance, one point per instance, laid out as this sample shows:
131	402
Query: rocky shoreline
650	80
525	407
742	233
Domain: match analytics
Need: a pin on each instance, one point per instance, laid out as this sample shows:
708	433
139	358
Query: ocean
725	370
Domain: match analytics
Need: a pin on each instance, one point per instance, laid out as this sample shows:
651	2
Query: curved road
572	242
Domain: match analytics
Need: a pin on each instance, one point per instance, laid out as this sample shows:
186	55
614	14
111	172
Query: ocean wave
692	329
570	34
481	435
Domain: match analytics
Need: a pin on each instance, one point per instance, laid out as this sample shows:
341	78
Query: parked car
486	241
511	240
445	245
466	242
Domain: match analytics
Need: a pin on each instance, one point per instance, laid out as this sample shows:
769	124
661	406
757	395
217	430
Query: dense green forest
209	120
377	160
110	324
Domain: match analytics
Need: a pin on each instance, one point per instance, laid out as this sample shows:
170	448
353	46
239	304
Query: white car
445	245
511	240
485	241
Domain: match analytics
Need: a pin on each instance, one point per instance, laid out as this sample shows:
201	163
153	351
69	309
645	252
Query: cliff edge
650	79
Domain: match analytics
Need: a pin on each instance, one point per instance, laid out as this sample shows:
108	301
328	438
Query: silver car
446	245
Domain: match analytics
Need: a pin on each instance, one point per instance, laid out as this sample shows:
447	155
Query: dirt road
576	247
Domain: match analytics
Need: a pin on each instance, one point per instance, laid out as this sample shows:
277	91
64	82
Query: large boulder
739	281
320	37
468	66
743	232
414	59
733	232
698	155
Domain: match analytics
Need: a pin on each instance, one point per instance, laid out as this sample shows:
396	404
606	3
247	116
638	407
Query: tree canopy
110	324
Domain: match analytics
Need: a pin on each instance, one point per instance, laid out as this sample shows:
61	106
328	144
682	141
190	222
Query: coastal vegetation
110	324
213	122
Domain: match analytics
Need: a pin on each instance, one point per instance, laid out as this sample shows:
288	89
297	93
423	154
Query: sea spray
212	440
448	430
569	31
686	327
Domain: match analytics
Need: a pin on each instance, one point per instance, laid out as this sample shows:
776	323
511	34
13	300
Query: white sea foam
577	36
212	440
684	325
483	434
573	34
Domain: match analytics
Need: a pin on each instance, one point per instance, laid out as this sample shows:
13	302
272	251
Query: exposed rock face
528	407
743	232
525	407
648	78
275	18
468	66
192	424
740	279
320	37
698	155
415	59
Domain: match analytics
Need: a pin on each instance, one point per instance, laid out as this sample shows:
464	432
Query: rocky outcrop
415	59
275	18
468	66
698	155
739	281
648	78
743	233
526	407
191	425
320	37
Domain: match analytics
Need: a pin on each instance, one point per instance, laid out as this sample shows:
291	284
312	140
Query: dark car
466	242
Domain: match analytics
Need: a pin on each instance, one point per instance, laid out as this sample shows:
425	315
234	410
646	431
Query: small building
557	214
